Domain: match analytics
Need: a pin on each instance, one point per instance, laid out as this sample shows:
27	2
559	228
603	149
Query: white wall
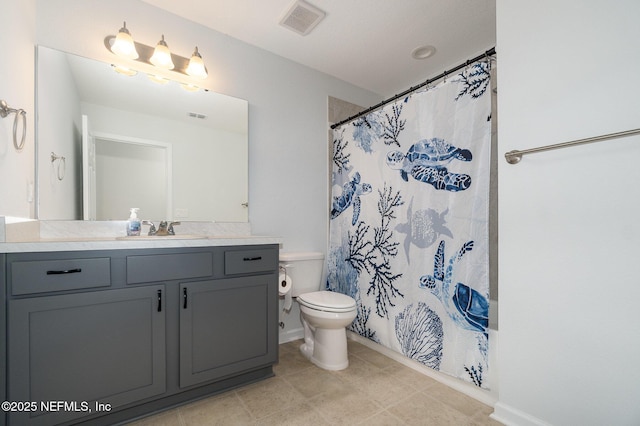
287	105
17	37
568	219
131	175
59	113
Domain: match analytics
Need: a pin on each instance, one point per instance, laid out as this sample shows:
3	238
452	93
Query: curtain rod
488	53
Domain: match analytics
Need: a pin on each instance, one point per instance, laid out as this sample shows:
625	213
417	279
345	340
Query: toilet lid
327	301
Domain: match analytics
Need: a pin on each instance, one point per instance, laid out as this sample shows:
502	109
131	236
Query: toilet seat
327	301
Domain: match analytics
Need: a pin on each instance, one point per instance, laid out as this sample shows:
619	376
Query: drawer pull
249	259
67	271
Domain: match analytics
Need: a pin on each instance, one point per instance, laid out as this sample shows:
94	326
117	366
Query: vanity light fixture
161	57
196	66
123	45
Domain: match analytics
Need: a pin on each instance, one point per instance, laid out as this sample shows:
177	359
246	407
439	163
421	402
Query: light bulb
123	45
162	56
196	66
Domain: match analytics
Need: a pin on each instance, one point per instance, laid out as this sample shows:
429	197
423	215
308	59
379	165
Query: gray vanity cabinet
104	336
86	348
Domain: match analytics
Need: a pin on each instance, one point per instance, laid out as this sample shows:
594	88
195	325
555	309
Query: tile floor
374	390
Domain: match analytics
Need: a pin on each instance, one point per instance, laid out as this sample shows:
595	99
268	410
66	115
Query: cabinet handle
184	298
159	300
66	271
248	259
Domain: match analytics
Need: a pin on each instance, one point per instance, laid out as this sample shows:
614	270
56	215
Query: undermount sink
163	237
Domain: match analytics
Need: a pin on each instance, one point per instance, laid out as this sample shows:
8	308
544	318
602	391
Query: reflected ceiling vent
196	115
302	17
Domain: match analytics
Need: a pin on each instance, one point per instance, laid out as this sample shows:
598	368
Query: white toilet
324	314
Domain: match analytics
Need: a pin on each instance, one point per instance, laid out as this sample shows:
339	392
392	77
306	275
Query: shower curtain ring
466	67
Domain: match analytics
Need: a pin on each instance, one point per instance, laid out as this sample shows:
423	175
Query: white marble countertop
104	243
47	236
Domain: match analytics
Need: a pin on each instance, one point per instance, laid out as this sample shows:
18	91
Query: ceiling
97	84
365	42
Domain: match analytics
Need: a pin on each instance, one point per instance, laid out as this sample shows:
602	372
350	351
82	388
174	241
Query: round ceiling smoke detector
423	52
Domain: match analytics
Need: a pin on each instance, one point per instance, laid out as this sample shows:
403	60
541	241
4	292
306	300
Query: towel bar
514	157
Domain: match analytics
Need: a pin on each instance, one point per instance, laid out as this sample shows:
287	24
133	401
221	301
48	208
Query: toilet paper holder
284	283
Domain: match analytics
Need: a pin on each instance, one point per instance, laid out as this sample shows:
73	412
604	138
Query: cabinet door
227	326
82	349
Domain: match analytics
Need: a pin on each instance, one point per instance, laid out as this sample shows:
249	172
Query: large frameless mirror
128	141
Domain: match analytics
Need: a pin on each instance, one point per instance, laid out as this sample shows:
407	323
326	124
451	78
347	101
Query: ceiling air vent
302	17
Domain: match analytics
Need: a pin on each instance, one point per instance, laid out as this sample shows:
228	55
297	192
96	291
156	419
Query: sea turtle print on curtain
409	224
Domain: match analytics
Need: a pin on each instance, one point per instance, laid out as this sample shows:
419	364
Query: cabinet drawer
166	267
250	261
41	276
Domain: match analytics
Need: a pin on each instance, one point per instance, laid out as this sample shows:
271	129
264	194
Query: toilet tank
304	269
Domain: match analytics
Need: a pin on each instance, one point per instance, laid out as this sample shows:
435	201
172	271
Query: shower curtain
409	223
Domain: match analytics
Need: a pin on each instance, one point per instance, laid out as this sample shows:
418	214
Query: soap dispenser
133	224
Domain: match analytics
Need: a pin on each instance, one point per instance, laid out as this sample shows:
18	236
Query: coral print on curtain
409	224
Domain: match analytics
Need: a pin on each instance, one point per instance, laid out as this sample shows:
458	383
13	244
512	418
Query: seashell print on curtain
409	224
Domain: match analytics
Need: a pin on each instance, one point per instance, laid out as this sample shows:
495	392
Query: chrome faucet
164	228
152	227
170	230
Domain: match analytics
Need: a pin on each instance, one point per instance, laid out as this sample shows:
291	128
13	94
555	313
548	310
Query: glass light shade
161	57
123	45
196	66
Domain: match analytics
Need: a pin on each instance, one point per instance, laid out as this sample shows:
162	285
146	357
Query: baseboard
290	335
484	396
510	416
